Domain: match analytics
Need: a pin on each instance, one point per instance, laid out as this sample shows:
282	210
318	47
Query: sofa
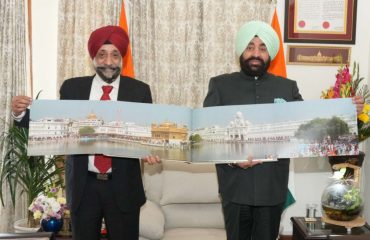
182	202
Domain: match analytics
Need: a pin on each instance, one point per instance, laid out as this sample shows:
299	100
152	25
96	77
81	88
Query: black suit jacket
126	174
264	184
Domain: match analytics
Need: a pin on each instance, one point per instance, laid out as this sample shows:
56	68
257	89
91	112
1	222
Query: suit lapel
123	89
85	88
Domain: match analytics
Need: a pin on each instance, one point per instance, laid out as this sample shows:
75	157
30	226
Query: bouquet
49	205
349	85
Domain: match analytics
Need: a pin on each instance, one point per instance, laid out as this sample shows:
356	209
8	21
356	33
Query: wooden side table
303	230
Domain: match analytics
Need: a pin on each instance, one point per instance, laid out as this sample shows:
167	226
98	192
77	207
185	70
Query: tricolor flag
277	66
127	62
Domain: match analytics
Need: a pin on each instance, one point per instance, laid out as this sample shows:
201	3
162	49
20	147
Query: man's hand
20	104
151	159
360	102
249	163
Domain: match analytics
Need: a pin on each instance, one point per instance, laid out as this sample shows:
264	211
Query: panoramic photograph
215	134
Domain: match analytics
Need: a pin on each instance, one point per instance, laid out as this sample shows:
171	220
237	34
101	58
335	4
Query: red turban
112	34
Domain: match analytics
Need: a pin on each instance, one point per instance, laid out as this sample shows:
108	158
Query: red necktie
101	162
106	90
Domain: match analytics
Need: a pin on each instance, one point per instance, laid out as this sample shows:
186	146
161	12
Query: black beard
245	66
109	80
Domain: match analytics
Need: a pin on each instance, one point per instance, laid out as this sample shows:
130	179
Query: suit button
257	97
257	84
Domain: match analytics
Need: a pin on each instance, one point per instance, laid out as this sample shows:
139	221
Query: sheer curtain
13	80
76	21
178	45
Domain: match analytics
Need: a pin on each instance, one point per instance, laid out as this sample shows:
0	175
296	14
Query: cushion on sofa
195	234
151	221
197	215
152	180
189	183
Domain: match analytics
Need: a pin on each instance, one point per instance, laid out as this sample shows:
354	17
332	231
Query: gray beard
109	80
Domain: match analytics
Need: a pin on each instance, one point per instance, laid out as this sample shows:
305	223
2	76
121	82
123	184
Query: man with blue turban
253	193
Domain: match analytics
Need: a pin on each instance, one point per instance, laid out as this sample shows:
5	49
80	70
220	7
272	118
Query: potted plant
341	200
50	209
29	174
349	85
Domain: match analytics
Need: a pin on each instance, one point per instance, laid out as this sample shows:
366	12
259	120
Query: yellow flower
37	214
328	94
363	117
61	200
366	108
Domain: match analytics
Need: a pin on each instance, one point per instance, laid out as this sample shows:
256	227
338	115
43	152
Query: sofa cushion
189	183
195	234
152	180
151	221
201	215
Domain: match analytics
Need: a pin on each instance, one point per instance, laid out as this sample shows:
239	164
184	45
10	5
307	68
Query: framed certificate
320	21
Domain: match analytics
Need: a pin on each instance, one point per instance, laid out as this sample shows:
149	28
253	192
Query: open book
215	134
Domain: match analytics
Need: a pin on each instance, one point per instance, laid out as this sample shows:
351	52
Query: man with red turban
99	186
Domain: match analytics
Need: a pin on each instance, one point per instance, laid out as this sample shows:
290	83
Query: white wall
308	185
44	47
308	182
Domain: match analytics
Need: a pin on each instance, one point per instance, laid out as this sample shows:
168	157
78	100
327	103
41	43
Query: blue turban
261	29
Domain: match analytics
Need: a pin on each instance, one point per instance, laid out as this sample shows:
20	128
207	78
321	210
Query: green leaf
31	173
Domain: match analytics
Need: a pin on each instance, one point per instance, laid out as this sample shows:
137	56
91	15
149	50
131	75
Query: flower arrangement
349	85
49	206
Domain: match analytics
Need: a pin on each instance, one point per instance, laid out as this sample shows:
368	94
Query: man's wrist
19	117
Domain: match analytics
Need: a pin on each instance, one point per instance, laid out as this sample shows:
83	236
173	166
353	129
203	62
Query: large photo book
214	134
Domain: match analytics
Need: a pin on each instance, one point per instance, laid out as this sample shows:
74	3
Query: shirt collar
101	83
263	76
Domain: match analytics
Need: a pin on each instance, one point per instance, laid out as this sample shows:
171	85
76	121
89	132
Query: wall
311	176
309	182
44	47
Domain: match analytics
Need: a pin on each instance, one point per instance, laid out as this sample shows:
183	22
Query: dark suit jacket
126	175
264	184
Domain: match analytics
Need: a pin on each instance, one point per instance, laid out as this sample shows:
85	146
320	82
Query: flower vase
52	225
341	200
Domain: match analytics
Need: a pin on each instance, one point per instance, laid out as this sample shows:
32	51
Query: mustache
254	58
103	68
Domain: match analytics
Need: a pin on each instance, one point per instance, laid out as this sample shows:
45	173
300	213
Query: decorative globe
52	225
341	200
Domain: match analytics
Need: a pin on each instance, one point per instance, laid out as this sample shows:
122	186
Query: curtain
77	19
13	81
178	45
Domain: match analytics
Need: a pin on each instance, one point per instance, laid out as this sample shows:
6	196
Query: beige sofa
183	203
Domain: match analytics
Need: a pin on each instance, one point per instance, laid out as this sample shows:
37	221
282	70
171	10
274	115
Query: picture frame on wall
312	21
318	55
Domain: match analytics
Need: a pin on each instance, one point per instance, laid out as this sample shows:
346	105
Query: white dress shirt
95	94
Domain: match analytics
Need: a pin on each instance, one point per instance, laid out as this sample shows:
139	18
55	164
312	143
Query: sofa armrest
151	221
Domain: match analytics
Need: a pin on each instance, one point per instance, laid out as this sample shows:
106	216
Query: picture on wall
318	55
312	21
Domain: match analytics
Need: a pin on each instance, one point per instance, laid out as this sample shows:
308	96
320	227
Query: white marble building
48	129
240	129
